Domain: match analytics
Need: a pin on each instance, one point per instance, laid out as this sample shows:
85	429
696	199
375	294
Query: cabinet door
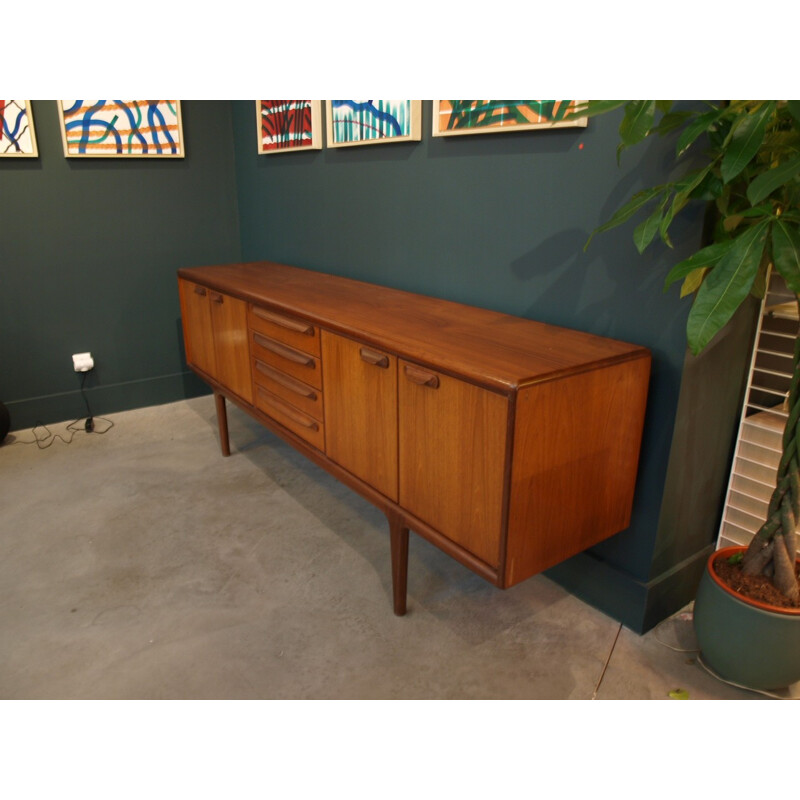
360	399
198	337
452	440
229	323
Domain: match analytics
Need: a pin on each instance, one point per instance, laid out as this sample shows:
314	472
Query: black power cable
43	442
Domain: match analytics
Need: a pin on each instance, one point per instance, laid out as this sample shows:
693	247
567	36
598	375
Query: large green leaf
745	141
638	119
638	201
786	253
766	183
645	231
672	121
694	129
707	257
683	191
725	287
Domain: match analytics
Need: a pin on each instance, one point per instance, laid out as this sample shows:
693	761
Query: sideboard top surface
494	349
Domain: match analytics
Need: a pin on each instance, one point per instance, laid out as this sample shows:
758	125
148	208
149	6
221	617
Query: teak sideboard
509	444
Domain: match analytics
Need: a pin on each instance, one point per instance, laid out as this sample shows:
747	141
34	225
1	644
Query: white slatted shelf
759	440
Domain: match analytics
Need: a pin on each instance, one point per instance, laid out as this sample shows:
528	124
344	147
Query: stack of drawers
287	372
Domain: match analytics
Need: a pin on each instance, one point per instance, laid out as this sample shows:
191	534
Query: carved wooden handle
287	410
284	380
297	326
282	350
422	377
376	359
201	290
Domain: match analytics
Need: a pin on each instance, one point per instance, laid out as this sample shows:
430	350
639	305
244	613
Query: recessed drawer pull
216	297
284	380
371	357
201	290
422	377
287	410
282	350
290	324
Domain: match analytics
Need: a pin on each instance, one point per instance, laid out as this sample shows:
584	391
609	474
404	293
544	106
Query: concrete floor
141	564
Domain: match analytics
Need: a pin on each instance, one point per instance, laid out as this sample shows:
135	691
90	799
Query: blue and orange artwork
288	125
17	137
372	121
121	128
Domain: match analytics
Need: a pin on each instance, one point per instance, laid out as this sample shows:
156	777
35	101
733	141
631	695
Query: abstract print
121	128
367	121
288	125
16	129
491	116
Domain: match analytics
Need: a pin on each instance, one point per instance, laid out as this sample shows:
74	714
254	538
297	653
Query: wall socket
82	362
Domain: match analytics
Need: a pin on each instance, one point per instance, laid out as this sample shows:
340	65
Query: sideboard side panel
576	453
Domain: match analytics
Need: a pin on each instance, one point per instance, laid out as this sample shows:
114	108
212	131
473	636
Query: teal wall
500	221
87	263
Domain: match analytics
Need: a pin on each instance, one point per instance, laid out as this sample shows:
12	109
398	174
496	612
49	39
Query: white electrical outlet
82	362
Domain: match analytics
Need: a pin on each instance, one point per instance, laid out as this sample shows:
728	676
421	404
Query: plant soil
755	587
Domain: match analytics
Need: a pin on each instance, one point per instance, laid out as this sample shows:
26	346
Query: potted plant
749	176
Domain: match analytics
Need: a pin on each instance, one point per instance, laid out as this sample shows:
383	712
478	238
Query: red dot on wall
580	146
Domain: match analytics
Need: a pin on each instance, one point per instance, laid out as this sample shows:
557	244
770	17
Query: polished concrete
140	563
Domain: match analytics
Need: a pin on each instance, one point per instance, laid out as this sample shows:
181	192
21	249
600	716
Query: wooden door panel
360	399
229	322
452	441
198	337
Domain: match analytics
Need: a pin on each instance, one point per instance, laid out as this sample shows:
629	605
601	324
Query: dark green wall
89	252
500	221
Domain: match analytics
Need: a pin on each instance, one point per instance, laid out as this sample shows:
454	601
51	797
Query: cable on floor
49	438
43	442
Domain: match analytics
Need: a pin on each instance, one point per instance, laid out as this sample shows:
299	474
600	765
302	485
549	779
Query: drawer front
303	425
296	332
304	397
287	359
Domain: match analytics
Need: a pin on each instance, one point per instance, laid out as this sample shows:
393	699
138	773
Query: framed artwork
456	117
286	126
354	122
17	135
121	128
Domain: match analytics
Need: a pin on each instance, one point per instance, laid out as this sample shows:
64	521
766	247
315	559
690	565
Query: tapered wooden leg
222	421
399	543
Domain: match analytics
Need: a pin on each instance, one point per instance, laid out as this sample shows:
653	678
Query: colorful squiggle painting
288	125
453	117
122	128
352	122
17	136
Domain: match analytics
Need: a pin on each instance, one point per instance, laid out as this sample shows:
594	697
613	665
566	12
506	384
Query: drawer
286	359
296	421
299	394
284	328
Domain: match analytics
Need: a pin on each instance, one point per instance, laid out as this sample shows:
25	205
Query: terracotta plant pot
745	641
